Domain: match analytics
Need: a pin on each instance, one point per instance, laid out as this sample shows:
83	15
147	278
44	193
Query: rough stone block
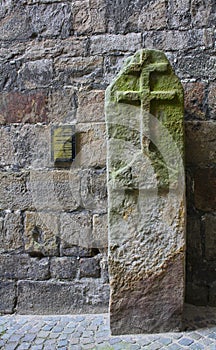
32	153
11	232
90	106
100	231
17	267
7	157
102	44
200	143
204	188
94	190
195	100
78	252
62	105
76	230
84	296
89	267
196	66
16	26
179	14
13	191
112	65
133	17
36	74
91	145
41	235
71	70
210	237
104	269
64	268
55	190
144	202
50	48
202	13
212	100
23	107
8	75
51	20
7	297
174	40
194	246
89	17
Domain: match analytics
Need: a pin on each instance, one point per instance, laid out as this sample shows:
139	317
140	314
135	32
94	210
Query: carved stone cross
146	203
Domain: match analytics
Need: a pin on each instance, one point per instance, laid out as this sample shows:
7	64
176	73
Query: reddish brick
27	107
194	99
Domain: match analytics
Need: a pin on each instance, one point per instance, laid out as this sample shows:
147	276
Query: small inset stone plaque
63	144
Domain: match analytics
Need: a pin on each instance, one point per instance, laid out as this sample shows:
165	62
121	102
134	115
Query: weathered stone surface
179	13
62	105
13	191
64	268
90	106
199	65
18	267
200	143
27	107
50	48
212	100
78	252
195	100
115	43
8	75
55	190
16	26
104	269
203	13
89	16
51	20
7	157
94	190
11	232
56	59
175	40
91	145
144	114
76	230
70	70
41	235
210	237
36	74
34	153
7	297
133	17
204	188
100	231
89	267
84	296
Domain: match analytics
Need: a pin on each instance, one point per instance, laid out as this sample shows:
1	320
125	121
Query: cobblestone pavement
79	332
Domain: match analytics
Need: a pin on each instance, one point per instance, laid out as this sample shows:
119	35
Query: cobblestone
91	332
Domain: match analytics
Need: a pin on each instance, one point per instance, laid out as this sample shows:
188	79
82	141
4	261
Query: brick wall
56	60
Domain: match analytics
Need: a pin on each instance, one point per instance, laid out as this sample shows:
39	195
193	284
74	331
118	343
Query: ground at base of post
79	332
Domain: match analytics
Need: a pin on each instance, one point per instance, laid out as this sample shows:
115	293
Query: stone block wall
56	60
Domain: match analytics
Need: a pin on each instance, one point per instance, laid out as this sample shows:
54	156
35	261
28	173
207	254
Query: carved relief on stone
146	203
